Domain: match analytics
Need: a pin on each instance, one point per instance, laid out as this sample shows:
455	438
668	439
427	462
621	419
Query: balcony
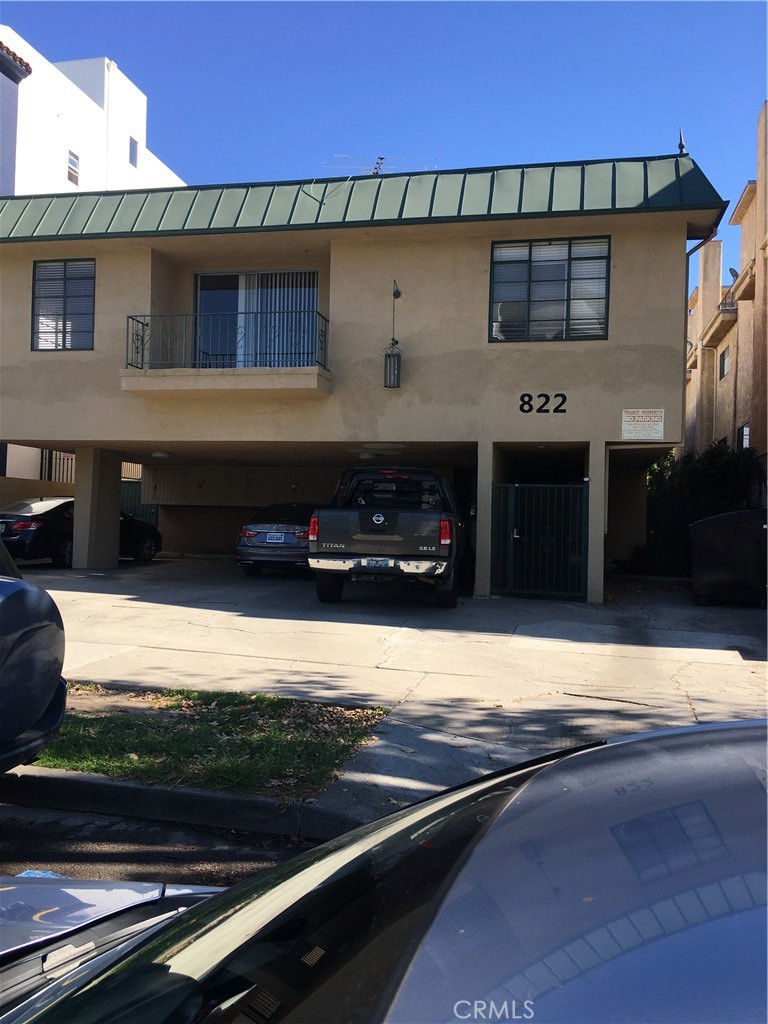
287	351
744	285
722	322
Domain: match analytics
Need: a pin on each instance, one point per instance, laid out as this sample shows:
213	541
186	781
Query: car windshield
315	940
33	507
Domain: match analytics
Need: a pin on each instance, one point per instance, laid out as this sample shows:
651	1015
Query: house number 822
541	402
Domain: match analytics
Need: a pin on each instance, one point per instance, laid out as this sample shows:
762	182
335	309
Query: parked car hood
32	909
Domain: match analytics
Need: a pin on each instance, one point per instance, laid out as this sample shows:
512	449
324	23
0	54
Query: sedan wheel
146	550
62	557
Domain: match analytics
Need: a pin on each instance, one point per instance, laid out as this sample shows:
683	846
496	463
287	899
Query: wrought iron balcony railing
204	341
728	305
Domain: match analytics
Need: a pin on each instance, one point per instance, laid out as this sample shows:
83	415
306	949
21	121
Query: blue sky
254	91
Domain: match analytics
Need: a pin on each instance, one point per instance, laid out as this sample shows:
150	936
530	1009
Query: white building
75	126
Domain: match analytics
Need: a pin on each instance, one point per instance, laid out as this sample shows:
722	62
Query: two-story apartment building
234	341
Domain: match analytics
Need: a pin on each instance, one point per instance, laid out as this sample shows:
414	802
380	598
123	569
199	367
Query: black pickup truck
384	525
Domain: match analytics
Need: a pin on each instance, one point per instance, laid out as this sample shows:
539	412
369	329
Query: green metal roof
643	184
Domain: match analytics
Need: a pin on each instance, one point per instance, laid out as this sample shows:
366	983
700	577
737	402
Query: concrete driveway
488	683
647	654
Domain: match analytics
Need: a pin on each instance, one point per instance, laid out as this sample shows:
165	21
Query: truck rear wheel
330	587
447	595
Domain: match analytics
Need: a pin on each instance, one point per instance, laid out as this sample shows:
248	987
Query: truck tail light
312	537
25	524
446	531
245	532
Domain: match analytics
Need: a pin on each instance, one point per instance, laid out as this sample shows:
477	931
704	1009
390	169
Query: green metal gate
130	502
539	543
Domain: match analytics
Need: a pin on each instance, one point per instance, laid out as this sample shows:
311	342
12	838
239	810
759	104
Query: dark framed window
133	152
62	304
550	290
73	168
725	361
742	437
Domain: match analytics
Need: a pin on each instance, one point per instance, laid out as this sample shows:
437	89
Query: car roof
646	850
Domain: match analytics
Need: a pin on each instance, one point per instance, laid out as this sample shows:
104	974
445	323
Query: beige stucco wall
725	388
18	488
455	384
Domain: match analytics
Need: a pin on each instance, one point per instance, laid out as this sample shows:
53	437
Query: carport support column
97	509
597	514
483	532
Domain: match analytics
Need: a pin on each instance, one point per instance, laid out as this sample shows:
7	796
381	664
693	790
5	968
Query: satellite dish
734	273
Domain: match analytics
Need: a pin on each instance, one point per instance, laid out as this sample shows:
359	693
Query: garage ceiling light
161	455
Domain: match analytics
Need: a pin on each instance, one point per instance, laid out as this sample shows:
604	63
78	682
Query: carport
204	492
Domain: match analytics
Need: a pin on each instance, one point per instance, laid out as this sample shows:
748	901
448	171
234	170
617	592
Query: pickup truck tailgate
379	532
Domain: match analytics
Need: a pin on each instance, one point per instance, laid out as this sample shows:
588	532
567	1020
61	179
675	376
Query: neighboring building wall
730	321
757	250
86	107
23	462
13	70
47	110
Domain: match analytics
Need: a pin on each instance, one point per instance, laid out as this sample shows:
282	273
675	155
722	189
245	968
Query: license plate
275	538
378	563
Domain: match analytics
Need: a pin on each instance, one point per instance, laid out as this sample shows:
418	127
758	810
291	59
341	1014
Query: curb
78	791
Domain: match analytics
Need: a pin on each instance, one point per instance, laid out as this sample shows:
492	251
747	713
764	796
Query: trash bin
728	554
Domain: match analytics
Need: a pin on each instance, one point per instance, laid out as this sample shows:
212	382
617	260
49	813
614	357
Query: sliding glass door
261	319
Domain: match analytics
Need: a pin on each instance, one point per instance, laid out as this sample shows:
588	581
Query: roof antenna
681	145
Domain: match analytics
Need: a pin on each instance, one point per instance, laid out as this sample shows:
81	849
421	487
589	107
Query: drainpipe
734	420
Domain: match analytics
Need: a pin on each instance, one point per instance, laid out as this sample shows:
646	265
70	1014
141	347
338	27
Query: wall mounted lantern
393	355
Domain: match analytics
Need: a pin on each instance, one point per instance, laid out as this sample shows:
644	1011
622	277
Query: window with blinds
62	304
550	290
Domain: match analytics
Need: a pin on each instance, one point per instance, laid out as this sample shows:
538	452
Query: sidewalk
493	683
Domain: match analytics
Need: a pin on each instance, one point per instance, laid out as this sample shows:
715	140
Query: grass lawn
235	742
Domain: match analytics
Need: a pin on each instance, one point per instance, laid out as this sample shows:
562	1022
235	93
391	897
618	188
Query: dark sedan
38	528
33	695
618	883
274	535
